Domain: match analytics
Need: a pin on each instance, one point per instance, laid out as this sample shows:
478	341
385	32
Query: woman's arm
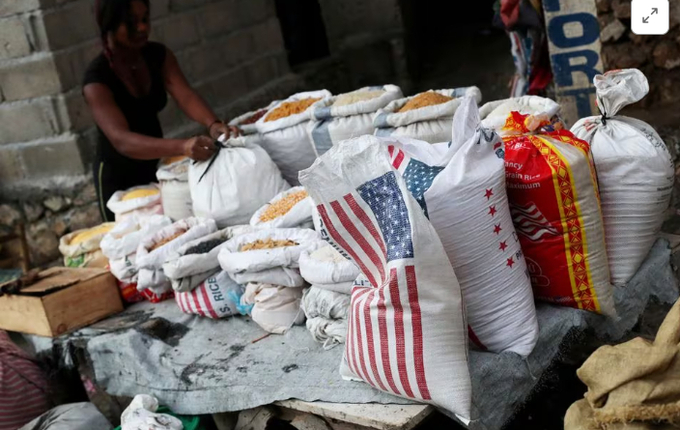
112	122
188	99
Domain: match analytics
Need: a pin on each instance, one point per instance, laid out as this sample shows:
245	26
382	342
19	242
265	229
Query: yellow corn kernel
136	194
282	206
85	235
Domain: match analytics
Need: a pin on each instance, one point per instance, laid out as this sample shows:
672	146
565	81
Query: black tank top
141	113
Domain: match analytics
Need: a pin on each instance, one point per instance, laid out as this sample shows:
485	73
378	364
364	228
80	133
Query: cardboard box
60	301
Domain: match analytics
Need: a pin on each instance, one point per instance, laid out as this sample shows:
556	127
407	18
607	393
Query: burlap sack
636	383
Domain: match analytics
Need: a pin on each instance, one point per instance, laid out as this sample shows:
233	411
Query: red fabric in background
23	386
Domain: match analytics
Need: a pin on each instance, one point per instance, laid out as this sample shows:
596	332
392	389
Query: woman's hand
199	148
217	129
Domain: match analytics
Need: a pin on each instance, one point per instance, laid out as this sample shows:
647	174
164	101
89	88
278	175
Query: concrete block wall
232	52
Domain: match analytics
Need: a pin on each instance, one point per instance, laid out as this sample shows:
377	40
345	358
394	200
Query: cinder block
177	32
254	11
70	24
28	120
73	111
57	156
181	5
212	58
260	72
11	7
225	88
29	77
159	8
219	18
72	63
267	37
13	38
11	166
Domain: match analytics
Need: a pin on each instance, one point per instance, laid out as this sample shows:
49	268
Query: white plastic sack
278	265
150	262
234	184
124	238
274	308
327	304
327	331
141	415
430	123
494	114
175	192
91	243
461	188
125	269
552	189
142	206
287	140
216	297
414	303
186	271
327	266
635	172
297	216
333	124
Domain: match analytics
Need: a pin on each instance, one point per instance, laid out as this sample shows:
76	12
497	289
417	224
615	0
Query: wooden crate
61	301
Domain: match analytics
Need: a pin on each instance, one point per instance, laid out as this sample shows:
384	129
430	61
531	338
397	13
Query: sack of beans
555	206
461	188
285	136
635	171
326	268
291	208
273	307
246	123
141	201
82	248
196	261
173	176
494	114
326	313
348	115
267	256
217	296
426	116
234	184
154	250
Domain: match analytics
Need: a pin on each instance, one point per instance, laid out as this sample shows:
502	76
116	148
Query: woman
125	88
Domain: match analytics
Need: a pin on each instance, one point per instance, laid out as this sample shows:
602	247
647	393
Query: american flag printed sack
461	188
555	205
407	333
216	297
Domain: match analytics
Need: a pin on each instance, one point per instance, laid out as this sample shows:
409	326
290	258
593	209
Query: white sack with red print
407	333
461	189
635	172
216	297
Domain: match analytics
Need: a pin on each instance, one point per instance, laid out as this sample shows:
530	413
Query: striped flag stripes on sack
217	297
406	330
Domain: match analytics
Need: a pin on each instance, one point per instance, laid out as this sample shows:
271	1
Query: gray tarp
196	365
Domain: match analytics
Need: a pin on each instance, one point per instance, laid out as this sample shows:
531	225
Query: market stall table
200	366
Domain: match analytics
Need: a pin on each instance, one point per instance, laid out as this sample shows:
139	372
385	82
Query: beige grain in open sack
634	385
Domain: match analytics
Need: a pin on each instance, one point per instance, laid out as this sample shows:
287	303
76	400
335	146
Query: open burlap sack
635	384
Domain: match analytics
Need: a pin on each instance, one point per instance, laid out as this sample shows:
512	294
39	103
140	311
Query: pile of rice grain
282	206
356	97
287	109
267	244
428	98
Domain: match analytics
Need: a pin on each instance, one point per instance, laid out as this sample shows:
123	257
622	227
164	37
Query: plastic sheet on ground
200	366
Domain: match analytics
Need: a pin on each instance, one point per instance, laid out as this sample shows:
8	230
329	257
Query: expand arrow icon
655	10
645	20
